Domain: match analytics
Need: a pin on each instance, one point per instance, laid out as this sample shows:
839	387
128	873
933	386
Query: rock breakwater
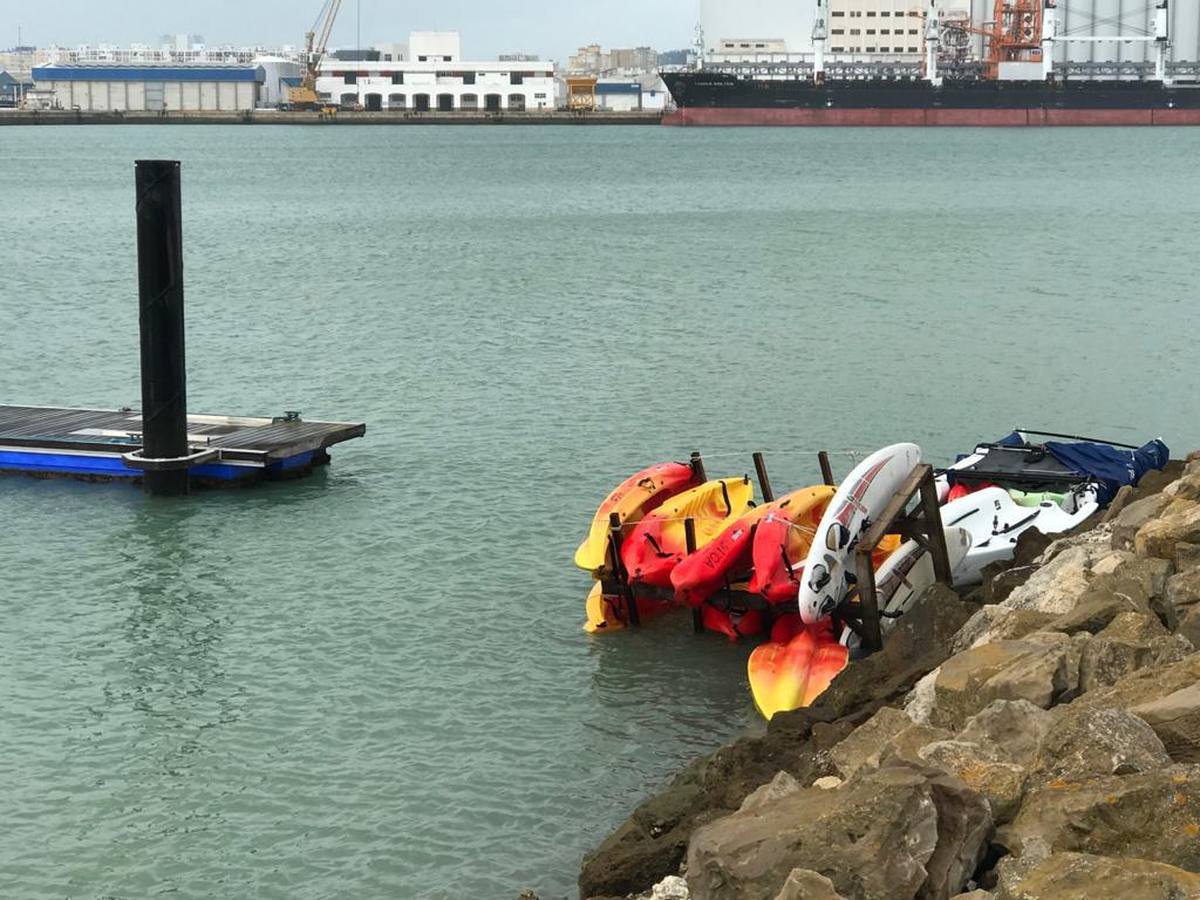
1039	738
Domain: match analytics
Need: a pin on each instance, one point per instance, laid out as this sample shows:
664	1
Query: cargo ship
1015	84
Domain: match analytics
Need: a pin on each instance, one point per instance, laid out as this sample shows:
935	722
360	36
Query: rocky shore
1037	738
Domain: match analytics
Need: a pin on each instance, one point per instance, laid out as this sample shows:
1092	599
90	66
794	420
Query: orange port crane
1014	34
315	42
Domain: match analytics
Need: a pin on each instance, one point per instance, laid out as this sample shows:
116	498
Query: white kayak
857	503
995	520
907	574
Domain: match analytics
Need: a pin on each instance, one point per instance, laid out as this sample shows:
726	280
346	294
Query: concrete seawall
273	117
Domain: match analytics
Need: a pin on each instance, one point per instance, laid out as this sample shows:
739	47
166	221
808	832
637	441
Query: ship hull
713	98
916	118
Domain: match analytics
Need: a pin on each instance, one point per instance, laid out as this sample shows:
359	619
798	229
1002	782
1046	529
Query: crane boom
316	40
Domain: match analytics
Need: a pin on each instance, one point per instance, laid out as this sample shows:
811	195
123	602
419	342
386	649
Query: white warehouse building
434	77
150	88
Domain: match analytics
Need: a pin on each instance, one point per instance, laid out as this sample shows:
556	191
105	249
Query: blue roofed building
103	87
618	96
11	90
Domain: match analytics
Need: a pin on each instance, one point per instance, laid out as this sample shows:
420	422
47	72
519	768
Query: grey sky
488	27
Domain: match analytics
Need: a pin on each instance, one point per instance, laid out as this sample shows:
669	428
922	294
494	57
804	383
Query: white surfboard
907	574
859	500
995	521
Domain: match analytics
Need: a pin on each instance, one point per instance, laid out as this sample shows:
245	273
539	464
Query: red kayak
733	624
657	544
757	540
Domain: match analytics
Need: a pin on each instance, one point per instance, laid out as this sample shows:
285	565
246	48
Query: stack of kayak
784	569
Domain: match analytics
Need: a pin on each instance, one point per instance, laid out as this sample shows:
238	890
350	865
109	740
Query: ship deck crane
1026	31
315	42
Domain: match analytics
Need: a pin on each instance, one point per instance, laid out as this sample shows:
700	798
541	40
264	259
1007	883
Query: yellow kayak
657	544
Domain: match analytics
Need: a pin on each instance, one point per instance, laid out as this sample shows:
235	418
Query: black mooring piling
160	294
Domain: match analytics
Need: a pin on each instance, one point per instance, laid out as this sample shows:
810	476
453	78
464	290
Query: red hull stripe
923	117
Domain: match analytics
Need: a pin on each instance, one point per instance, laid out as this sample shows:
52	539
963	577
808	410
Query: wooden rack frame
923	525
615	580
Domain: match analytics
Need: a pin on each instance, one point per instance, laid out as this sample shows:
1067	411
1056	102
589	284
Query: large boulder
1183	588
1175	718
1012	729
1143	582
1179	523
1070	876
1130	642
1187	557
1151	683
1188	485
1189	626
1059	585
1001	783
1093	742
895	832
999	623
1093	614
999	585
1039	668
1153	815
1127	523
865	743
905	747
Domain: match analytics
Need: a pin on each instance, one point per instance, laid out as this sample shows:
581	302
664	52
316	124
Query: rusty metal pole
689	536
161	324
868	600
760	467
614	542
931	515
826	469
697	463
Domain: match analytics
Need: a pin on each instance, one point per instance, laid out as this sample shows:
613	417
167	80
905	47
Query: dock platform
105	445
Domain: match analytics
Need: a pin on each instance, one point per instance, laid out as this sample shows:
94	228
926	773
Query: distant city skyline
551	30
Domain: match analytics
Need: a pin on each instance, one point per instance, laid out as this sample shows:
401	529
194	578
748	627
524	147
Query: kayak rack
615	580
860	611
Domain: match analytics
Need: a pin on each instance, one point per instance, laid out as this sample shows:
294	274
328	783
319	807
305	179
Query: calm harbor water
374	684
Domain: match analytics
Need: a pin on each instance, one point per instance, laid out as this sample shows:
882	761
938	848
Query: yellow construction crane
315	41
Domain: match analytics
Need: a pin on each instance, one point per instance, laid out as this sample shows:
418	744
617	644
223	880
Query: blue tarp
1110	467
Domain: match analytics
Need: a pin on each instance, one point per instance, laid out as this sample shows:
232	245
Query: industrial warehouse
141	88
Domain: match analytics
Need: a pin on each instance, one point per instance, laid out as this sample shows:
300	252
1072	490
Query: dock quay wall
273	117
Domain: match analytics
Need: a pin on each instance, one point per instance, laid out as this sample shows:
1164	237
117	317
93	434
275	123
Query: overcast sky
552	28
488	27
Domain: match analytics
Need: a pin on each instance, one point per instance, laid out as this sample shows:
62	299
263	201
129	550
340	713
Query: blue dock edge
106	445
106	466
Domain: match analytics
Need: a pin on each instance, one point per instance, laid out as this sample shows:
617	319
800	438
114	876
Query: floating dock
106	445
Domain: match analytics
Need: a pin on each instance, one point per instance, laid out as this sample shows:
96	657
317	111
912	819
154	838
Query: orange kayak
796	667
631	500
